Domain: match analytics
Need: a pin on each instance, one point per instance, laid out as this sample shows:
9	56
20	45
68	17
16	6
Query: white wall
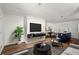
10	24
1	31
1	35
12	21
51	25
71	26
31	19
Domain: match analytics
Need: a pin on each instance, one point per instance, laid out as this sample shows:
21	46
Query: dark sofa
64	37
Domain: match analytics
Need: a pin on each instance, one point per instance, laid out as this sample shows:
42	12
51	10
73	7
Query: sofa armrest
74	46
73	49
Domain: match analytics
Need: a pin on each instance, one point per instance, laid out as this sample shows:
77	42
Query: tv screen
35	27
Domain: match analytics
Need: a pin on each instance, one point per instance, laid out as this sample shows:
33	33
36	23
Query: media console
35	35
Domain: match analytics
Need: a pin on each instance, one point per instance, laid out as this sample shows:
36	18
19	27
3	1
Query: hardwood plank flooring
11	49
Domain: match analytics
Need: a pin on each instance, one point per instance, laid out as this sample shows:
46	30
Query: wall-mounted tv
34	27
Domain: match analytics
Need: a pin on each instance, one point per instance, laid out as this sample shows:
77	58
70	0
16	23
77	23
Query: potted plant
18	32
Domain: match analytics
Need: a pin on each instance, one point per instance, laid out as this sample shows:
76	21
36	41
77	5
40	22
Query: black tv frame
35	27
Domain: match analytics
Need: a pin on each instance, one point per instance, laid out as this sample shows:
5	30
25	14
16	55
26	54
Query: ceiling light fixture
39	4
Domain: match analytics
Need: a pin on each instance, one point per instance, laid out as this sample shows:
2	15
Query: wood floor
11	49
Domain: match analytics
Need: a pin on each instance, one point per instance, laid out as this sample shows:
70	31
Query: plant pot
19	42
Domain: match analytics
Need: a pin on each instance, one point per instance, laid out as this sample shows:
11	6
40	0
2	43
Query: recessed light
61	16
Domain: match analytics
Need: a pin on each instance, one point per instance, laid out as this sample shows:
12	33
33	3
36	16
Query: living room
39	28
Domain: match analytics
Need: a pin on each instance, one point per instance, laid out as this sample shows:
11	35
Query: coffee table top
42	48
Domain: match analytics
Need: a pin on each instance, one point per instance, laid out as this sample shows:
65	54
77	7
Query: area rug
54	51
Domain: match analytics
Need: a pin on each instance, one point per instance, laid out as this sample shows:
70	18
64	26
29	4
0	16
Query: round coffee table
42	50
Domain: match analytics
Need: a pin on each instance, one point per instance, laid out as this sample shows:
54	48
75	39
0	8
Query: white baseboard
11	43
15	43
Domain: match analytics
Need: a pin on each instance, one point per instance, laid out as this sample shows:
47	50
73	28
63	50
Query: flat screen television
34	27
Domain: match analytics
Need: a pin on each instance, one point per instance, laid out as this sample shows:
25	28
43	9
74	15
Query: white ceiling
52	12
